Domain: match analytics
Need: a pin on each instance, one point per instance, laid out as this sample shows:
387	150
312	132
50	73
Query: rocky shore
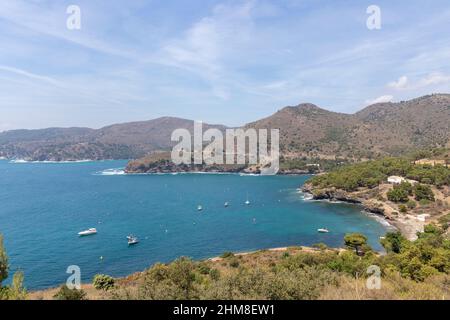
162	163
370	201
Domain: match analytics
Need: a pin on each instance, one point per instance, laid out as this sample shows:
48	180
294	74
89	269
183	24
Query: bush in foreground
16	290
103	282
65	293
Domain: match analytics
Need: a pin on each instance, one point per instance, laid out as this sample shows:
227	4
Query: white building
396	179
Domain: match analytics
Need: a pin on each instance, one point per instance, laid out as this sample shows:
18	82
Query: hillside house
396	179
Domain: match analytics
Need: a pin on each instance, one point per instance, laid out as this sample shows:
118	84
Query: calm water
44	206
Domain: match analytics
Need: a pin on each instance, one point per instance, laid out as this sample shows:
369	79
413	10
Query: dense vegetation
409	270
15	291
431	153
402	192
311	165
372	173
65	293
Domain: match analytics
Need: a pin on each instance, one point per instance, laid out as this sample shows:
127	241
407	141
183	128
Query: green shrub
397	194
4	267
203	268
227	254
445	221
411	204
103	282
356	241
214	274
65	293
234	263
424	202
394	242
423	192
320	246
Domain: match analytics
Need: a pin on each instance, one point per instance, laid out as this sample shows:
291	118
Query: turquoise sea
44	205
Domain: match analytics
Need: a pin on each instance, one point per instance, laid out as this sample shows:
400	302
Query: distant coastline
49	161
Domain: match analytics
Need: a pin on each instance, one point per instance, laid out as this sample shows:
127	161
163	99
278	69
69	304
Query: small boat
226	204
87	232
247	202
199	208
323	230
132	240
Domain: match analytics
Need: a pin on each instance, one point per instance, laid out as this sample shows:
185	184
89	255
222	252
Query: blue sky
227	62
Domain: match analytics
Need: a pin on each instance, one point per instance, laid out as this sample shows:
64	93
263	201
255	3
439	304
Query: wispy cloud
208	43
51	21
434	80
29	75
223	61
381	99
401	83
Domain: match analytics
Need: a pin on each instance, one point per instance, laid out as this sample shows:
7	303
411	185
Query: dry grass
393	287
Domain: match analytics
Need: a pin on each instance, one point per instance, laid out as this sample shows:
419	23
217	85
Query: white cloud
5	127
247	54
276	85
434	79
382	99
401	83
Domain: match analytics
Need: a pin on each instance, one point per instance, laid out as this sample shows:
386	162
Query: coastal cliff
408	224
409	206
160	162
363	197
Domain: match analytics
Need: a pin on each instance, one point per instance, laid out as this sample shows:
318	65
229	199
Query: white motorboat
226	204
247	202
87	232
199	208
132	240
323	230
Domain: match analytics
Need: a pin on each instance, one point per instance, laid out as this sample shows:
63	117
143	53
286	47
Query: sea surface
44	205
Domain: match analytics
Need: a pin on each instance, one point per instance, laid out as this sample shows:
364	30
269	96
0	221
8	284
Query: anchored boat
87	232
132	240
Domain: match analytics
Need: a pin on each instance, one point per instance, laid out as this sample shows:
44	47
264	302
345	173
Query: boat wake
111	172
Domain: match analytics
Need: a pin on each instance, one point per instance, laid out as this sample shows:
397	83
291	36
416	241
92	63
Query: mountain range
306	130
